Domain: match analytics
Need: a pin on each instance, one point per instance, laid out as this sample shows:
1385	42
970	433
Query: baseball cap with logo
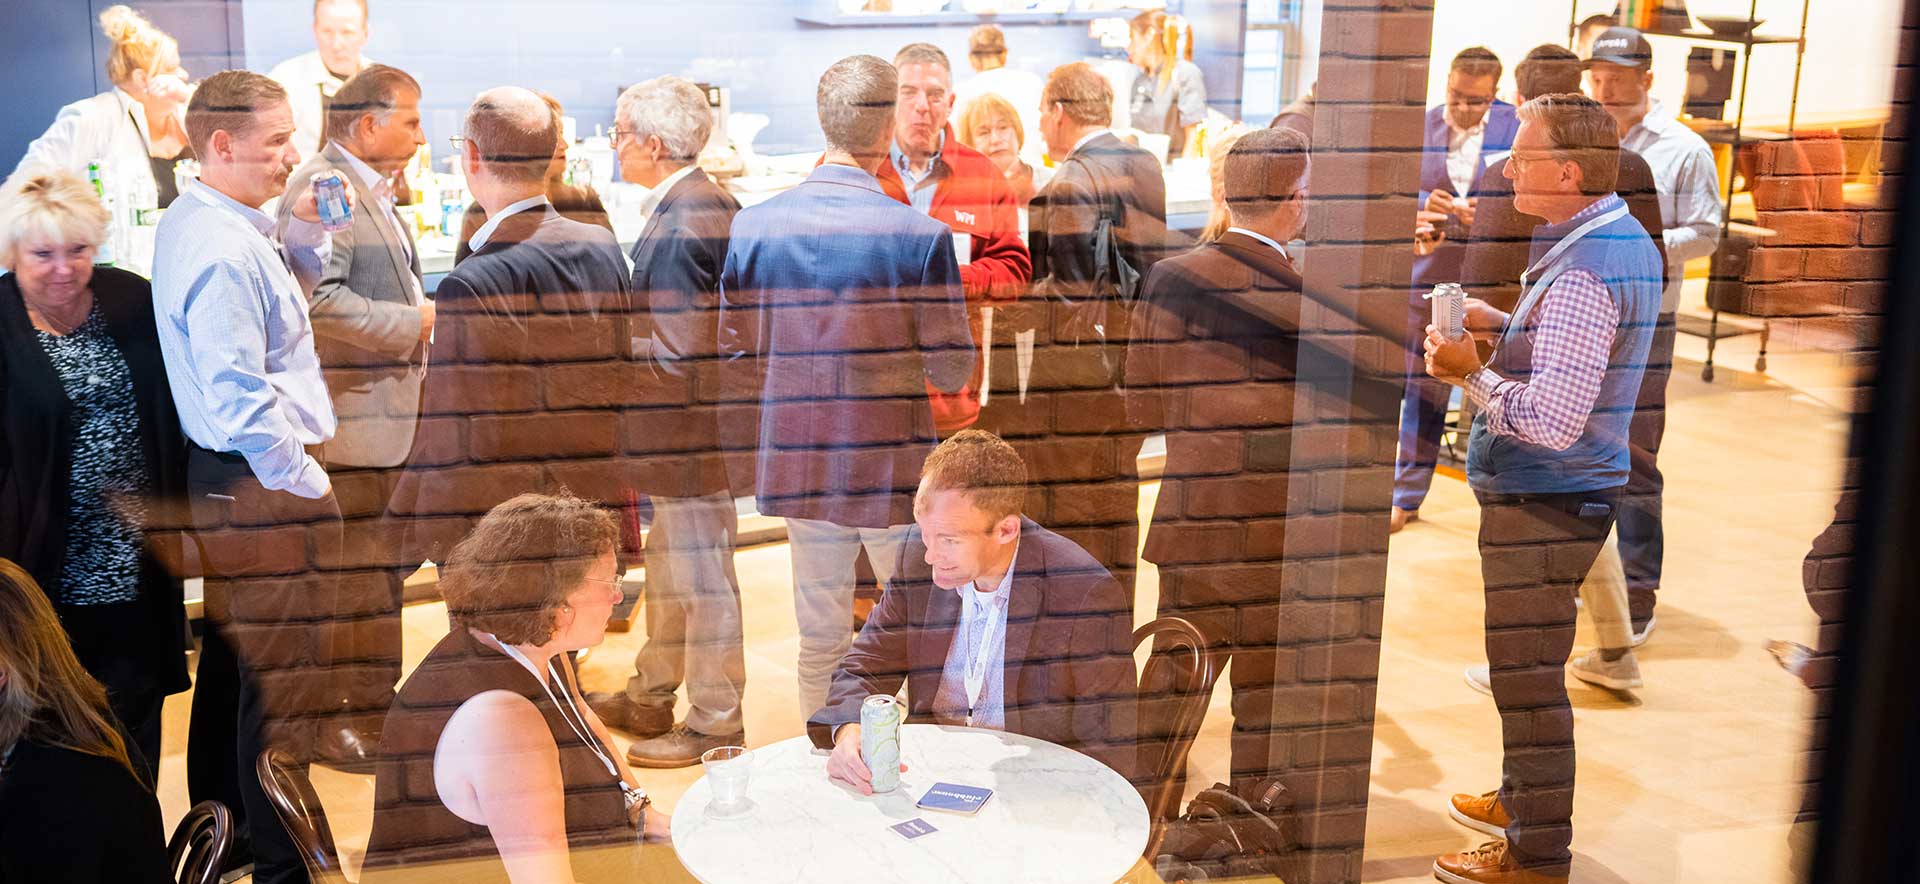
1625	47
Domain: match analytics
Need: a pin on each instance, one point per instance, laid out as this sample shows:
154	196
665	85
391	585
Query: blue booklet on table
954	798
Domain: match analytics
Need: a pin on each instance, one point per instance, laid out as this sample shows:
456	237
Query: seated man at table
991	621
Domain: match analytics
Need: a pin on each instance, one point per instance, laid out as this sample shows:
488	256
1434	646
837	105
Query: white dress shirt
486	230
305	78
109	128
658	192
1463	153
382	189
1689	189
231	308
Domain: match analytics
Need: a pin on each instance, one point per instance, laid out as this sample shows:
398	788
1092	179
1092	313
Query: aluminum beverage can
330	198
1449	309
880	740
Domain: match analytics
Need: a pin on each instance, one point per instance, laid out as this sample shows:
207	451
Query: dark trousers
1642	540
266	676
1534	551
1237	627
1423	416
113	643
372	570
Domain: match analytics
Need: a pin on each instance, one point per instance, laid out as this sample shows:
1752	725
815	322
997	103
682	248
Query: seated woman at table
492	767
991	621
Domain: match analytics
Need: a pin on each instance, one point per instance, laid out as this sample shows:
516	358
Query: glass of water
727	769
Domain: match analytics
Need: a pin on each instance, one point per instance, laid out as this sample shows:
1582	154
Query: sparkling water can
880	740
1449	309
330	198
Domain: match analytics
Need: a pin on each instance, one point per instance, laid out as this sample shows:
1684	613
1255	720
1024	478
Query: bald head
513	134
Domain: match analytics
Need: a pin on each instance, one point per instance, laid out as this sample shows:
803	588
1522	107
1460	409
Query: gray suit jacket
366	323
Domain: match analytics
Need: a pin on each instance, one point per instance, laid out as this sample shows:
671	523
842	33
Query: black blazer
574	203
78	819
1069	649
676	293
1215	348
1501	239
36	443
532	369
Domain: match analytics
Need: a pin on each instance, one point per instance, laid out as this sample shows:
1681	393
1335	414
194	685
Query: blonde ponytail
137	44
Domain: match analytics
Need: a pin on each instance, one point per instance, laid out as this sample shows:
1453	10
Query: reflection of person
495	768
135	129
311	79
1619	76
74	807
574	202
83	380
678	456
1297	116
231	306
987	55
1462	136
1218	217
1170	93
1547	459
1211	364
371	324
991	621
990	125
841	306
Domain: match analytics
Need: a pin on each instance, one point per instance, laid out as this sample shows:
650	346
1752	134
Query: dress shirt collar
971	595
659	192
1086	138
374	181
132	107
206	193
904	164
486	230
1263	238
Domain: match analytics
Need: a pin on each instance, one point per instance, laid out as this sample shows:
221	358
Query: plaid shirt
1571	327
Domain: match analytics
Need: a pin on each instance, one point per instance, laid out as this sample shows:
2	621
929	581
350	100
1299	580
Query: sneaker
618	711
1620	675
1488	864
1480	679
1399	519
1640	635
680	747
1481	813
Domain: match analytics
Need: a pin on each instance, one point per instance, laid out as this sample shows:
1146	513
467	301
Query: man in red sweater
930	170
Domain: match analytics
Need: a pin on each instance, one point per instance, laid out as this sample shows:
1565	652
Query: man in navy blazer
1464	136
841	306
1046	627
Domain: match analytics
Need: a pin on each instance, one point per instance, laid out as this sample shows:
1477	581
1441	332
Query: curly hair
514	571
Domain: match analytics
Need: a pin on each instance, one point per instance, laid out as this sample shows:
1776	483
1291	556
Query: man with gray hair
841	307
676	451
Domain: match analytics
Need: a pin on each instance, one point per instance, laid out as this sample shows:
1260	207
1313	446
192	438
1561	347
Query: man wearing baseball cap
1619	76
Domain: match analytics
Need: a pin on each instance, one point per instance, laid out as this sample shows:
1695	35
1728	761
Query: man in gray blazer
371	322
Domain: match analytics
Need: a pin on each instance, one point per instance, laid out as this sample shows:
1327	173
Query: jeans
823	583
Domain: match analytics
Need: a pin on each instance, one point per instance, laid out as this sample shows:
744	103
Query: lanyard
581	730
974	675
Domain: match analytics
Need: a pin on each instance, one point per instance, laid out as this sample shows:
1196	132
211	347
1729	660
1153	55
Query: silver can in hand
1449	309
880	741
330	199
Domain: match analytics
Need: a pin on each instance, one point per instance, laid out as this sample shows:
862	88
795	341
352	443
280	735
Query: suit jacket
1104	176
573	202
534	373
1069	649
366	326
676	293
840	306
1212	365
1443	264
1498	244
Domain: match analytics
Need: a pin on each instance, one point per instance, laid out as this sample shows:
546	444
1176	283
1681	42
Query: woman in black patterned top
90	448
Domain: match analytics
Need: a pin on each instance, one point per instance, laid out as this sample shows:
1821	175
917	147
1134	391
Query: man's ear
221	143
1007	529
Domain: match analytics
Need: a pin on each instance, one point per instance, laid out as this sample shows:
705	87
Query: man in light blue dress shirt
231	307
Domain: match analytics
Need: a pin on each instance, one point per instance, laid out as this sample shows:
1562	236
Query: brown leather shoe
1399	519
680	747
618	711
1488	864
1481	813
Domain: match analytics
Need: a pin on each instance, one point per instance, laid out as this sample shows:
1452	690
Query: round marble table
1056	816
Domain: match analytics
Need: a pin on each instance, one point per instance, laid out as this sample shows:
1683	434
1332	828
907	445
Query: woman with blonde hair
90	447
1169	95
991	125
1218	220
72	807
135	130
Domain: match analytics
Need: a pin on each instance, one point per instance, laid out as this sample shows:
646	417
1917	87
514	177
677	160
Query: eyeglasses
1519	159
459	142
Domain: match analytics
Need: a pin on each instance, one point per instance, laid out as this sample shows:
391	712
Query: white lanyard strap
579	730
975	673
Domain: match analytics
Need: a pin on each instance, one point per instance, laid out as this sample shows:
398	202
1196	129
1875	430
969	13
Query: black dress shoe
619	711
348	749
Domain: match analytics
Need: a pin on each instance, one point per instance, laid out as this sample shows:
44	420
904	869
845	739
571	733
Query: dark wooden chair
1175	686
298	806
200	843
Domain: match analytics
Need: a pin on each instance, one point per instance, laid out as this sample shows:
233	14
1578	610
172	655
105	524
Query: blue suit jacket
838	306
1502	124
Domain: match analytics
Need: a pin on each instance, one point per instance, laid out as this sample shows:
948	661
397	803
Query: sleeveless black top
416	838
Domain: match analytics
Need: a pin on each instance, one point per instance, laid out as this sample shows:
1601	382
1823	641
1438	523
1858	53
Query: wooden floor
1689	780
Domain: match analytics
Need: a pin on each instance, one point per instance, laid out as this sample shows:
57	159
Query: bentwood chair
200	843
298	806
1175	686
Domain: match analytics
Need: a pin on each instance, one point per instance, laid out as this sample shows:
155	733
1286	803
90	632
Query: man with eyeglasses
1463	135
992	621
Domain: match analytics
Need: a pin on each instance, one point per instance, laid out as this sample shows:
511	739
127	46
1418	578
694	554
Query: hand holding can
1449	309
330	201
